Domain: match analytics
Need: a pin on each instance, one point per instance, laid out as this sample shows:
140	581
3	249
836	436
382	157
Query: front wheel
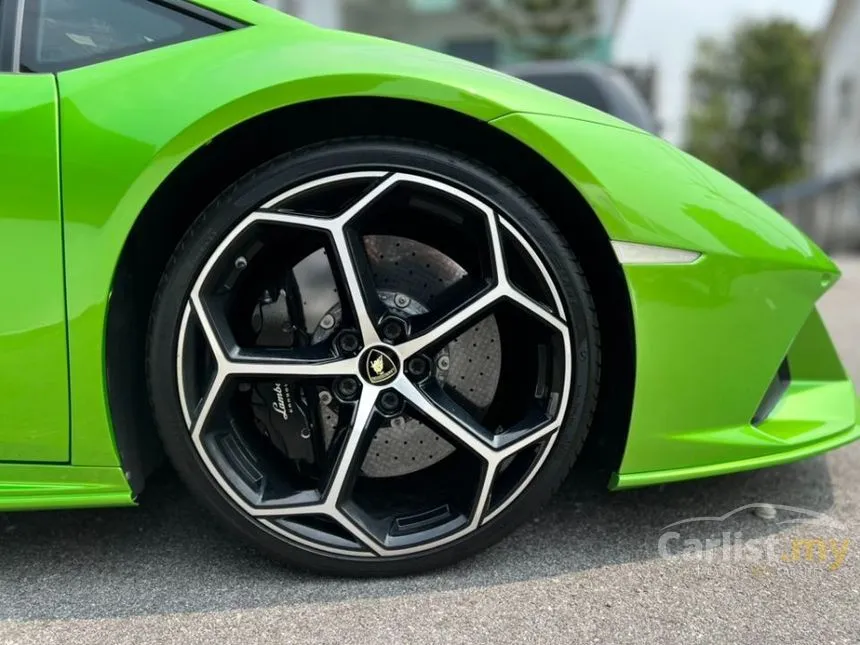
361	357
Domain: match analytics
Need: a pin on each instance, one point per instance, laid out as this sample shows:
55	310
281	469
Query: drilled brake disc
409	277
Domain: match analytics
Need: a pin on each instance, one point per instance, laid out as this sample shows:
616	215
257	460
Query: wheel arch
198	179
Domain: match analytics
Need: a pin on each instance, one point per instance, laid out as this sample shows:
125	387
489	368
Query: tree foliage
752	101
542	29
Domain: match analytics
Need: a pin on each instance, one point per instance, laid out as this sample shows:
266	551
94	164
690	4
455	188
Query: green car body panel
32	322
710	334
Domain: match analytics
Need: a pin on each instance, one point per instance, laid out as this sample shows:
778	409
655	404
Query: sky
665	32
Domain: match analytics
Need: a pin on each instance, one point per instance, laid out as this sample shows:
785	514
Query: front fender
128	123
646	191
710	334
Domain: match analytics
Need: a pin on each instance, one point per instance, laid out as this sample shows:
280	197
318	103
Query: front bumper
815	415
816	410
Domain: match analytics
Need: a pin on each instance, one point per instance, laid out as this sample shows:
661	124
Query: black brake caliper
286	417
285	411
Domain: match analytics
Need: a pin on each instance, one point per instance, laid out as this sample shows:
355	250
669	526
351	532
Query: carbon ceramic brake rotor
409	275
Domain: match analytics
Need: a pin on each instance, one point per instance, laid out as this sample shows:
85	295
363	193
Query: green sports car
370	300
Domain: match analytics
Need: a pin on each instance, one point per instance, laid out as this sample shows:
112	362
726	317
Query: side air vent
774	393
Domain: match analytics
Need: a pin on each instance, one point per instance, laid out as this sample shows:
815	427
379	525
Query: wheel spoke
463	316
349	453
507	287
205	408
354	530
245	365
448	326
468	434
556	298
294	219
534	308
497	250
355	293
213	340
250	363
368	199
318	183
344	258
486	487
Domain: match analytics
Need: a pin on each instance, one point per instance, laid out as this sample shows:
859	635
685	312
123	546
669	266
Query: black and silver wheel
372	357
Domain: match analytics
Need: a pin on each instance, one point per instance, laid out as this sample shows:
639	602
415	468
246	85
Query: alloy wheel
374	363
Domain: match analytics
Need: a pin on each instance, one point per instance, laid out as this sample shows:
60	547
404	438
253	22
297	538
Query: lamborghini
370	301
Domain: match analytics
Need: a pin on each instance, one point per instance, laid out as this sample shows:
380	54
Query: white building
837	128
827	206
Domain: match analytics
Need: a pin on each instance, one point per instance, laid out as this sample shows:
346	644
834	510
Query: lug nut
417	367
389	401
347	388
393	330
348	342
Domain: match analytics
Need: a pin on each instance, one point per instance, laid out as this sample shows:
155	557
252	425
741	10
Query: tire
223	476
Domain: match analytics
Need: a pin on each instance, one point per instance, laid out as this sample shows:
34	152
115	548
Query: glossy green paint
39	486
787	455
710	335
124	131
647	191
33	373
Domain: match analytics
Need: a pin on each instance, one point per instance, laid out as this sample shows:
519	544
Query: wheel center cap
379	365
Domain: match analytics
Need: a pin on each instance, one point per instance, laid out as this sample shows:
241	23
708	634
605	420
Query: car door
34	388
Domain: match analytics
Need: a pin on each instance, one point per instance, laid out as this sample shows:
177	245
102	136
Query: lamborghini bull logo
380	367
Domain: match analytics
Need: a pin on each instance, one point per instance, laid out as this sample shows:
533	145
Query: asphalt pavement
587	569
